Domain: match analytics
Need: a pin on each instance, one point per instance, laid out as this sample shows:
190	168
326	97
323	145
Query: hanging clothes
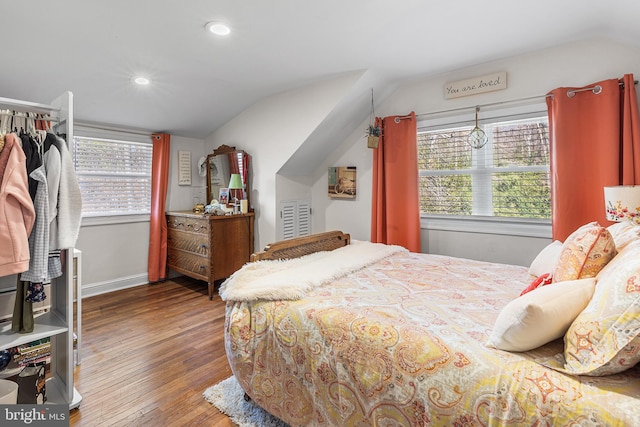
65	225
33	161
38	271
57	198
17	214
22	320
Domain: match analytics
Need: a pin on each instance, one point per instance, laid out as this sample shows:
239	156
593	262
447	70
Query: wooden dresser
208	247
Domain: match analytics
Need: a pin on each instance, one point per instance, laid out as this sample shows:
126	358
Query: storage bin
8	392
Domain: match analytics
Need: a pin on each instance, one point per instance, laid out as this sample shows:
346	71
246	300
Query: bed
317	334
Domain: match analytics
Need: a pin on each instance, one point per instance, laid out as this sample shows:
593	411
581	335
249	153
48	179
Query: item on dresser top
223	197
215	208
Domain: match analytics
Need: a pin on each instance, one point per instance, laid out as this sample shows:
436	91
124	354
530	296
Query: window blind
114	176
509	177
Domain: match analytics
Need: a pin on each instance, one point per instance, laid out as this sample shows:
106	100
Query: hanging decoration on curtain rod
477	138
374	131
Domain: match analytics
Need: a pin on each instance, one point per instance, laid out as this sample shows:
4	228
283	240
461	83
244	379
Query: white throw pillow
624	233
546	260
541	315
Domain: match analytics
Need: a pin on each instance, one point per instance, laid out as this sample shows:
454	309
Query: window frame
485	224
117	135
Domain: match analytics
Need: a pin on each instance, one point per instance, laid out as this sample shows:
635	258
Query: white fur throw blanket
291	279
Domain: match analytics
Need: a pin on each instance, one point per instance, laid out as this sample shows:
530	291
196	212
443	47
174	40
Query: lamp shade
235	182
623	203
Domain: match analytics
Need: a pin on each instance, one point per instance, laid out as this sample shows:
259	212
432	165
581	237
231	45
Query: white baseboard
92	289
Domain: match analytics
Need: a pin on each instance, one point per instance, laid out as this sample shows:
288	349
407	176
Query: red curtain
233	163
594	142
157	267
395	211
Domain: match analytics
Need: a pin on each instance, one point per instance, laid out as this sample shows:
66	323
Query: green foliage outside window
509	175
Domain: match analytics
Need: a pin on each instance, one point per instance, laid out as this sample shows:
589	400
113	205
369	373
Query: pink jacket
17	214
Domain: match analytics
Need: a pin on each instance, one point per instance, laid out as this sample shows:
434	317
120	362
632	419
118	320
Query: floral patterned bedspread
401	343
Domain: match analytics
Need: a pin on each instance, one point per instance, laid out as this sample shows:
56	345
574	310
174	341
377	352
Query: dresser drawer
190	242
208	247
188	263
195	225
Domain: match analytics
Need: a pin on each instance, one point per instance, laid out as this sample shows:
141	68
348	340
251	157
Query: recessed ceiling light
218	28
142	81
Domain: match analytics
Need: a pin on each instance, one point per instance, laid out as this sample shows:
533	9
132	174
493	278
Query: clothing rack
30	116
28	107
57	323
570	93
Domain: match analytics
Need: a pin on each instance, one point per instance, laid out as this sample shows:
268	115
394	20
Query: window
114	176
508	177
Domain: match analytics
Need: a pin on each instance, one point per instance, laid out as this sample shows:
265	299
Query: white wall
184	197
271	131
528	75
350	216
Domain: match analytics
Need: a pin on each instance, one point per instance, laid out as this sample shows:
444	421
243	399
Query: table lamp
622	203
235	184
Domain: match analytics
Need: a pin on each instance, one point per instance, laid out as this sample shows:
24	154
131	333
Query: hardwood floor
148	354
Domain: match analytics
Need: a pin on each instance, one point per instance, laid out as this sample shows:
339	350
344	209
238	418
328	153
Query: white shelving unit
57	323
77	283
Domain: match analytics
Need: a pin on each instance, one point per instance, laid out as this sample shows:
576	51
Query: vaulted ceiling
198	81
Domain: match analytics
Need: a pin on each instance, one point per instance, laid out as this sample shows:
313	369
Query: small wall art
184	167
342	182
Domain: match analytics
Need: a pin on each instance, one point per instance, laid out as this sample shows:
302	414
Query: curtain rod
571	93
472	107
112	129
595	89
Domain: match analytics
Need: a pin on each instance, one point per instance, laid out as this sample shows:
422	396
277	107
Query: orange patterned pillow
585	252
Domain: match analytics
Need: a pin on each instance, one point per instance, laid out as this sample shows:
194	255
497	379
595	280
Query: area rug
228	397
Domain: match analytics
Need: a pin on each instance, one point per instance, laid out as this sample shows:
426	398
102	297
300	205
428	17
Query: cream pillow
546	260
624	233
541	315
